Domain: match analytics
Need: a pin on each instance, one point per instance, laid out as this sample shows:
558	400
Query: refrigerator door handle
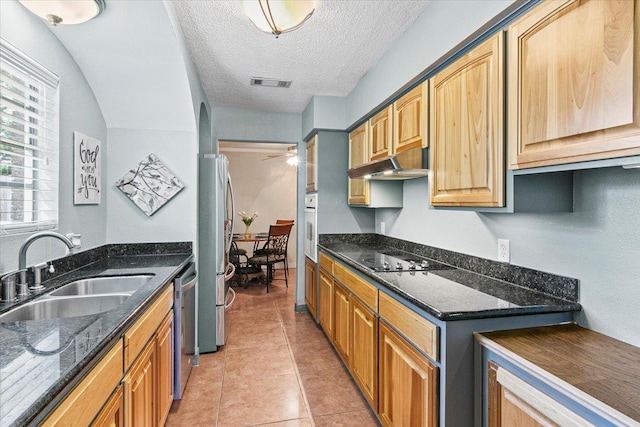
233	214
230	271
228	305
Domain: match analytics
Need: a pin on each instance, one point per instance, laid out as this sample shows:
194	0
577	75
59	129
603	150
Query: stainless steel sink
63	307
103	285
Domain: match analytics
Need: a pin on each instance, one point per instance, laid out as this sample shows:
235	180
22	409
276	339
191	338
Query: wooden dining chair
273	251
286	256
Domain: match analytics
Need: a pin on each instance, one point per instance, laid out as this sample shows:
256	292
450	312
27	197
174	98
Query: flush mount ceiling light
279	16
66	12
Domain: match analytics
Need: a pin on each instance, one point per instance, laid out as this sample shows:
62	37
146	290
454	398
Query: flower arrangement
246	218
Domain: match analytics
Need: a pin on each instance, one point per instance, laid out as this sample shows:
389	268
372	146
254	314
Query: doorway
265	181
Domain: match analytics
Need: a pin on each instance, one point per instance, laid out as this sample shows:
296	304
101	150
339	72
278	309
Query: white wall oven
310	226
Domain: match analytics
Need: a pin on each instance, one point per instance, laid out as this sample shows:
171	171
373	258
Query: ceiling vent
259	81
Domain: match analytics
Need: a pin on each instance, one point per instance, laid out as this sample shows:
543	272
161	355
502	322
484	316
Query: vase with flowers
248	220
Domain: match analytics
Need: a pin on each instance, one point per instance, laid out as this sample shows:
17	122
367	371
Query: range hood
405	165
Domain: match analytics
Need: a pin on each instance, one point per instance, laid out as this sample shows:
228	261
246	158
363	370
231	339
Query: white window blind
29	141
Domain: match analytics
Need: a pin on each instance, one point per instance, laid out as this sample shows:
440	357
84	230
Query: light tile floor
277	369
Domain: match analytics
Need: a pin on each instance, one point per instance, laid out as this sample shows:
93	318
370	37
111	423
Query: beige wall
266	186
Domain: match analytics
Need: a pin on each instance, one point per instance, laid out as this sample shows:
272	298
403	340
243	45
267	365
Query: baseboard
301	308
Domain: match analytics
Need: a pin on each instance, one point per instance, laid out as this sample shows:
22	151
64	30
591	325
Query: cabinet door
363	360
138	390
164	371
85	401
358	155
410	120
466	124
310	286
311	164
326	303
381	134
407	383
512	402
112	415
341	320
573	83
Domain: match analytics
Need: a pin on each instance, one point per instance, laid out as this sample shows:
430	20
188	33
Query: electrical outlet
503	250
382	228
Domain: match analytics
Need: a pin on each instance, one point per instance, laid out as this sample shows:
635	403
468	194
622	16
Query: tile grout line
295	365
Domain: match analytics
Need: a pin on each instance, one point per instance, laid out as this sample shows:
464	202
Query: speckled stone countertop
451	292
39	359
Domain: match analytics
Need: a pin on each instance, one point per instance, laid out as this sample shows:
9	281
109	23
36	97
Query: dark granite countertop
39	359
449	292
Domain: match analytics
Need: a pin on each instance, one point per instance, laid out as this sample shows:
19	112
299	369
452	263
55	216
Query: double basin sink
79	298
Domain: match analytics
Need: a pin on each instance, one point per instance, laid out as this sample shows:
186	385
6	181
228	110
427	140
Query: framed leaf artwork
150	185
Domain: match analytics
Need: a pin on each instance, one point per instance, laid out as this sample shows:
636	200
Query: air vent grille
260	81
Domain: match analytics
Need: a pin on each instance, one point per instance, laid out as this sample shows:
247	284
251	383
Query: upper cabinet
358	155
466	129
312	172
410	120
381	133
573	83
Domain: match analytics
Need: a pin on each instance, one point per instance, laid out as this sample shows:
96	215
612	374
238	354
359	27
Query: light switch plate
382	227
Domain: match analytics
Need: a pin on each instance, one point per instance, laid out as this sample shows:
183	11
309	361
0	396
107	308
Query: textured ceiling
326	56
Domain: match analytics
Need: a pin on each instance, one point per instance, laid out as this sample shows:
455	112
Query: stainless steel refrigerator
216	212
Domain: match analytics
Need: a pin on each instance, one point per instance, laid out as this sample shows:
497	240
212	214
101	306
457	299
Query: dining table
256	238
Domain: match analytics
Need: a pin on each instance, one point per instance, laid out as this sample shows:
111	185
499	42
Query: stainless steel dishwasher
184	327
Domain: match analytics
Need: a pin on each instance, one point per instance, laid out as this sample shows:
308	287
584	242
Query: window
29	142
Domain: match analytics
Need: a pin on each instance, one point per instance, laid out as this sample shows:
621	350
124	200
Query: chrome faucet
22	256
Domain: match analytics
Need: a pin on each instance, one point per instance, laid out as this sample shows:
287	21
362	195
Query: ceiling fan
292	152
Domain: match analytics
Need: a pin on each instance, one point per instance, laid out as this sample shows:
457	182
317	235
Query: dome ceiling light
279	16
66	12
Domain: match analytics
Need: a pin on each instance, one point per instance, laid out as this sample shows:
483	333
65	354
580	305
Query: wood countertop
583	363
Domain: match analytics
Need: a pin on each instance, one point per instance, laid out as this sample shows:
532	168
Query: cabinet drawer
326	263
363	290
422	333
85	401
140	333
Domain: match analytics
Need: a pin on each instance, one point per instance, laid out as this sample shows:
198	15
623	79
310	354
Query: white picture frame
86	170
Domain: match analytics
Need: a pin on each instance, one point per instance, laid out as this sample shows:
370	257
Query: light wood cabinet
512	402
85	401
341	324
466	125
363	343
325	311
164	371
407	383
310	288
112	394
112	415
312	167
410	120
358	155
381	134
573	83
138	389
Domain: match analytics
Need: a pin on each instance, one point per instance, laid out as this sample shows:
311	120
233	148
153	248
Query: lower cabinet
363	344
408	381
138	389
310	288
341	324
112	415
514	402
132	385
325	311
148	386
164	373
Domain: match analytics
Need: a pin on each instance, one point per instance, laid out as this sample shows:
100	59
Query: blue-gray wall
79	111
